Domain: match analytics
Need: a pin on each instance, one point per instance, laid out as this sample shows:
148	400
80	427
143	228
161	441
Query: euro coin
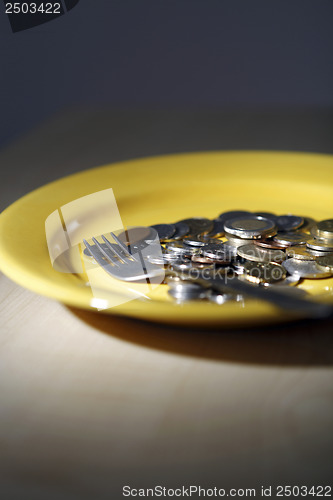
305	268
324	229
181	230
250	227
259	272
321	245
300	253
289	238
288	222
199	225
326	262
254	253
164	231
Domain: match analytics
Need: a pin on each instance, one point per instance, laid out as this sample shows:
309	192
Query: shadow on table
301	343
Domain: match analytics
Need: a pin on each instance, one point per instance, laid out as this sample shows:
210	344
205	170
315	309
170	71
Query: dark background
162	54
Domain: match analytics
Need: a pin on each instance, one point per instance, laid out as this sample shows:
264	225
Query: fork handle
307	308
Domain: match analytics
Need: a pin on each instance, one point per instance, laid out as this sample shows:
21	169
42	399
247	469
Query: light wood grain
89	403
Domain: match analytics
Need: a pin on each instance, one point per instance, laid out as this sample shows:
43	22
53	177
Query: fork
117	261
298	305
121	264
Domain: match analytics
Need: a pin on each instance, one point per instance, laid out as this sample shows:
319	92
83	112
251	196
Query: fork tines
116	253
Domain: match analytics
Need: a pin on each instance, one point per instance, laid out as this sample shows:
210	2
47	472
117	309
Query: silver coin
224	216
322	245
217	251
181	249
288	222
181	230
164	231
320	235
237	242
250	227
181	265
305	269
318	253
197	241
170	257
257	254
163	259
288	238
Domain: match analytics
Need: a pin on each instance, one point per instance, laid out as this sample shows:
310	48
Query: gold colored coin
288	239
317	244
308	224
260	272
300	253
257	254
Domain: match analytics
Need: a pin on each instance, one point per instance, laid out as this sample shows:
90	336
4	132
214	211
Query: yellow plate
166	189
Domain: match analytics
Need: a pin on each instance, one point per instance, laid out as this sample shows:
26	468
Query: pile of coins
261	248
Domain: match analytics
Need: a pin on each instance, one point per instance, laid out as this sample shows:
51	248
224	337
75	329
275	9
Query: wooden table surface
90	403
